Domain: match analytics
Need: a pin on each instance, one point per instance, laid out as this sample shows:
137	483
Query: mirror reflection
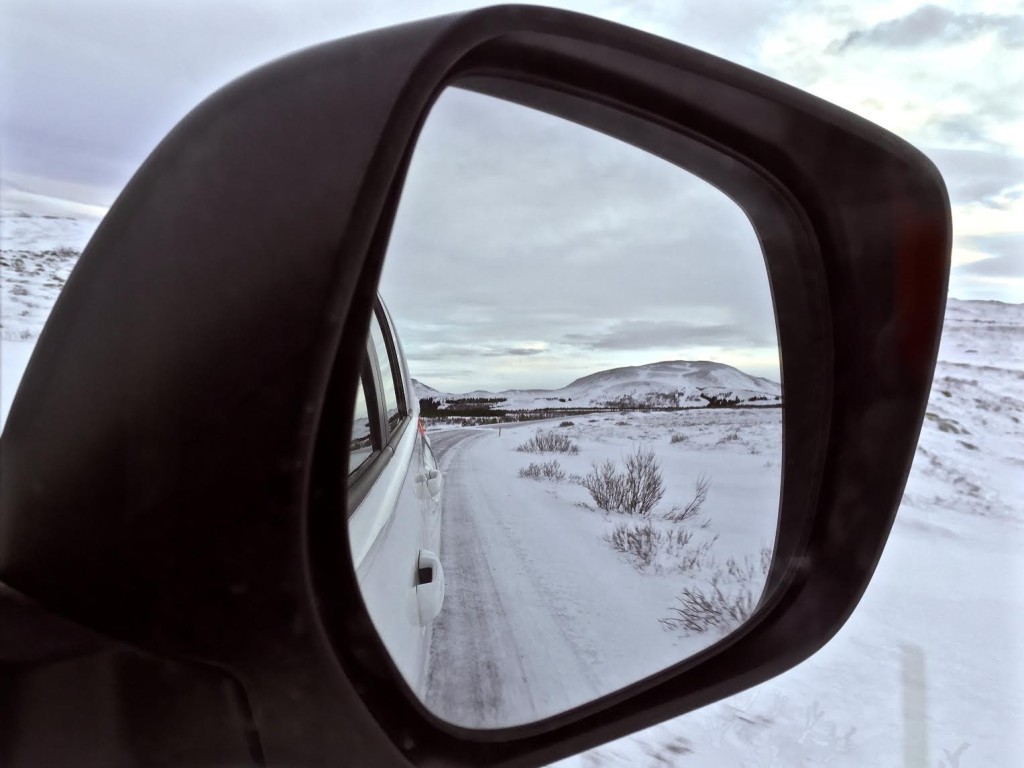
590	491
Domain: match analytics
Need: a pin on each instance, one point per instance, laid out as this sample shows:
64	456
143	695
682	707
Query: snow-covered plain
929	671
542	613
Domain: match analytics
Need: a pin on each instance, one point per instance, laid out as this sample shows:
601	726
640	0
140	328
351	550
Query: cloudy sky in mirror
528	251
89	87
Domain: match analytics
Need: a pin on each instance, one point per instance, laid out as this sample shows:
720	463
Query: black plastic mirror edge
122	467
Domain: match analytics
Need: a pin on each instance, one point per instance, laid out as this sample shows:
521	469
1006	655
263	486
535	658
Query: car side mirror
170	464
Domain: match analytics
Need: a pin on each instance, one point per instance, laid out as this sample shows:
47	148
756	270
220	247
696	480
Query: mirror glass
590	493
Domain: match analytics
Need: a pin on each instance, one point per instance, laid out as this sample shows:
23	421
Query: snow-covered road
501	607
463	680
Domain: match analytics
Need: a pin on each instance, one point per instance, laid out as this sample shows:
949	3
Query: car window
379	410
362	436
391	393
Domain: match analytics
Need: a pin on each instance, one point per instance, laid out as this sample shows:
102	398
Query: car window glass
388	395
362	439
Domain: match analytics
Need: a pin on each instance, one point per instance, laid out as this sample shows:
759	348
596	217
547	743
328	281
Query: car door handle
429	586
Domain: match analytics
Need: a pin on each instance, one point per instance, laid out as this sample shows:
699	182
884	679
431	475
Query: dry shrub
548	470
694	506
549	442
638	541
635	491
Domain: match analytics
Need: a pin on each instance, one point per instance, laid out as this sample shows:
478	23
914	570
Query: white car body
394	501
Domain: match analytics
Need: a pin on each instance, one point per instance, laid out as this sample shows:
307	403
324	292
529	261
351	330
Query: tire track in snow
474	673
512	643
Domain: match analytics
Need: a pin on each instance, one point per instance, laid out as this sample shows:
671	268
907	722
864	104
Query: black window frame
395	362
362	479
372	407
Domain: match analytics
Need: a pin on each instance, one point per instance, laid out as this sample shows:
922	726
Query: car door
394	491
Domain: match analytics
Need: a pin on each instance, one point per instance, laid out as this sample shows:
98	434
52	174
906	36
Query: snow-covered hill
970	457
673	383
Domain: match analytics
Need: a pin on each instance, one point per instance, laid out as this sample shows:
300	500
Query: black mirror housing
169	462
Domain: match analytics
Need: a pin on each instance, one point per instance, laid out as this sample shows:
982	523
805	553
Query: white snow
18	202
40	240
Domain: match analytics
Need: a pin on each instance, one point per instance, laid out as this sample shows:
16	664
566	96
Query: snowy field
929	671
552	601
40	240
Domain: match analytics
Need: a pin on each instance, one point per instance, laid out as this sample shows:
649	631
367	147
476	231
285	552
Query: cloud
973	175
668	334
961	129
993	267
524	249
1007	259
520	235
937	78
932	25
427	351
90	87
1010	265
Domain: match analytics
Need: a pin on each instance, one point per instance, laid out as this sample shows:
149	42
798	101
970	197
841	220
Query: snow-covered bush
639	541
728	600
605	486
719	606
644	487
663	547
549	442
678	437
729	437
695	505
567	424
548	470
633	492
696	558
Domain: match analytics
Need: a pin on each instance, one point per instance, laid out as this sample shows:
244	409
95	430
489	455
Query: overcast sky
557	251
551	277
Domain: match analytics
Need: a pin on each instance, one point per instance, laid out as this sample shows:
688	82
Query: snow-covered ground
551	601
929	671
40	240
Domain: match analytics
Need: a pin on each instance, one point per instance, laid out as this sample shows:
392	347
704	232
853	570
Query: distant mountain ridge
667	384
